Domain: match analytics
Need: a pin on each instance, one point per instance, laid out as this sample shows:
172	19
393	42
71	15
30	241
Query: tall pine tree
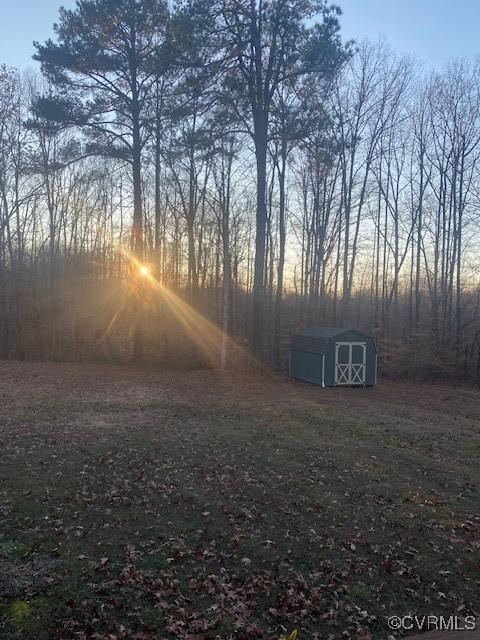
266	44
103	67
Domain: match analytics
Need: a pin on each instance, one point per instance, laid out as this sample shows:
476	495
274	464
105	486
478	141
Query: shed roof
317	339
309	344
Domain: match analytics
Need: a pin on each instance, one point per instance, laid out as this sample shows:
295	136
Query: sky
433	30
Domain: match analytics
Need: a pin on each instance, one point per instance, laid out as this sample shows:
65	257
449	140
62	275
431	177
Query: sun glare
207	337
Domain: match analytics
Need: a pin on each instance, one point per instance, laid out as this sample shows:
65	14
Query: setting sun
144	270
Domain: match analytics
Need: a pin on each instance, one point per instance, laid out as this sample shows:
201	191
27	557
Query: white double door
350	362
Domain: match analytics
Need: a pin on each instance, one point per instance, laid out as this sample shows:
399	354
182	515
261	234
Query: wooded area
270	177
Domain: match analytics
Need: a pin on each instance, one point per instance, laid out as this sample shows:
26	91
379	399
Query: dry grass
200	505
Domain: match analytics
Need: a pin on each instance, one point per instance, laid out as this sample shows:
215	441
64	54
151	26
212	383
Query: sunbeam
205	335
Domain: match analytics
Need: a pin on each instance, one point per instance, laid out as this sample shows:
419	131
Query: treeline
270	176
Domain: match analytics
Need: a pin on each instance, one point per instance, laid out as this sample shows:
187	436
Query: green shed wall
306	366
330	364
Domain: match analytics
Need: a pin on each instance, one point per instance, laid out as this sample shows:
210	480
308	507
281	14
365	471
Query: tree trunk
281	258
158	209
258	328
137	231
419	244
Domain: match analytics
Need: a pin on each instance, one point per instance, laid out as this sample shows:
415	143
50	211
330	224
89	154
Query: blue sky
434	30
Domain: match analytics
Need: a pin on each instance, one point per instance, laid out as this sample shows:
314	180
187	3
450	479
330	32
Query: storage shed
331	356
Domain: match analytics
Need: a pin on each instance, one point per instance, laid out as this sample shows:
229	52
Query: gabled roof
309	344
324	332
316	339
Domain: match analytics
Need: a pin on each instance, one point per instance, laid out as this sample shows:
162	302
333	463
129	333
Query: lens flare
206	336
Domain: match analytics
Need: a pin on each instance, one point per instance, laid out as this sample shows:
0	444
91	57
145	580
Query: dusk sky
434	30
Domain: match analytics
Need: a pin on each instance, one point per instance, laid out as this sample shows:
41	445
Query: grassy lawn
137	504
